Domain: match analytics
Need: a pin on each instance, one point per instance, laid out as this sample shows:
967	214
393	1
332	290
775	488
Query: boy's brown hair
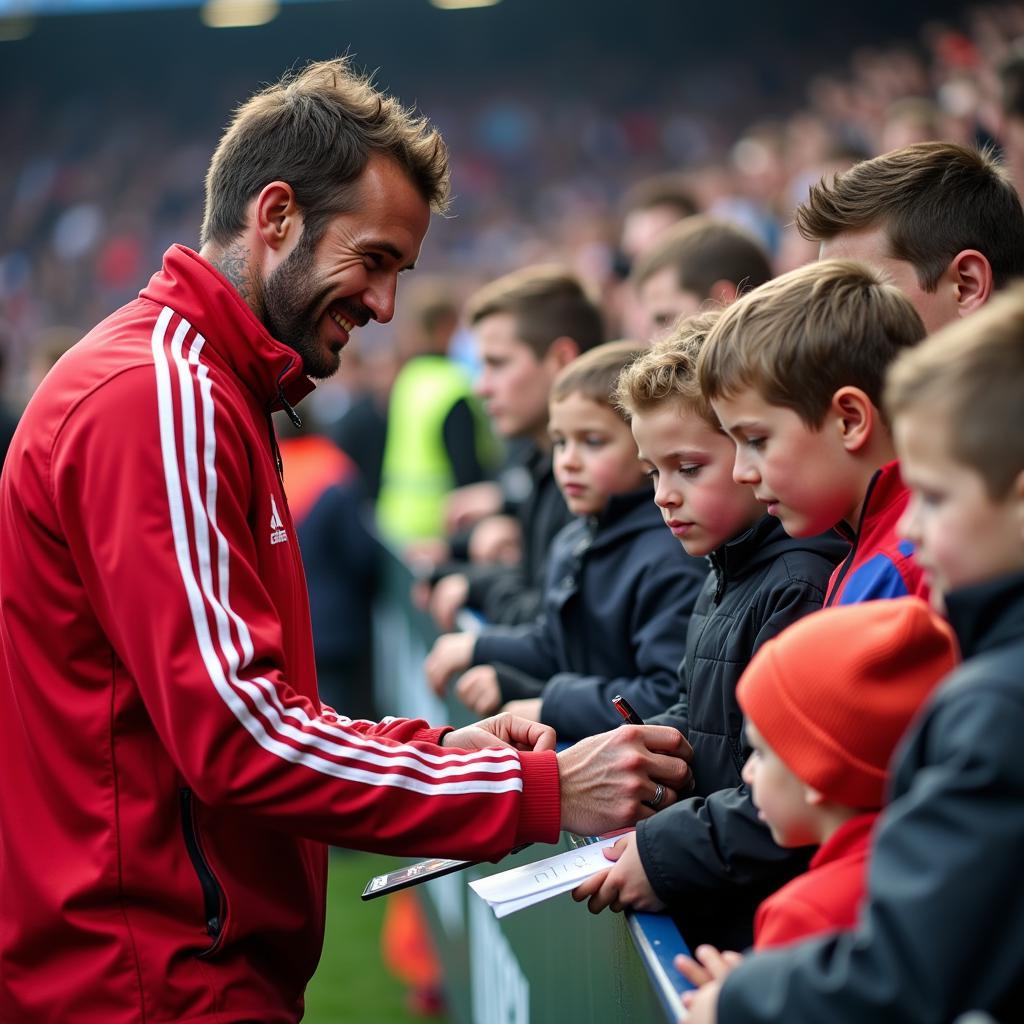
934	200
593	374
798	339
667	372
548	302
971	374
316	129
703	251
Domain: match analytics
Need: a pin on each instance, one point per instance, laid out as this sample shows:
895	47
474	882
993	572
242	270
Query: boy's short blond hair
971	373
593	374
667	372
799	338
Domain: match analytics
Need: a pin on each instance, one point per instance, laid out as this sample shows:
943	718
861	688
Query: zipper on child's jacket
854	541
213	895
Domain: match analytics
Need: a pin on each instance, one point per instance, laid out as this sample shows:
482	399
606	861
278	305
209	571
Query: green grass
352	984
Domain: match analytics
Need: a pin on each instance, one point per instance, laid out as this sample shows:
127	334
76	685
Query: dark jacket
943	929
511	596
709	856
618	599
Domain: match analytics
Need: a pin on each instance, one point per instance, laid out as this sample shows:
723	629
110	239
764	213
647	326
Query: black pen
625	709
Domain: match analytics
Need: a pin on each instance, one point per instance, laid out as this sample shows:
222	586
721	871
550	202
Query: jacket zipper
855	542
213	895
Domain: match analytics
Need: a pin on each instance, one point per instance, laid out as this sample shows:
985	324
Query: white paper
521	887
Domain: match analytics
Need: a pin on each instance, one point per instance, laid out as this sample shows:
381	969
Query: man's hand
624	885
502	730
478	689
528	708
606	778
451	653
447	597
496	539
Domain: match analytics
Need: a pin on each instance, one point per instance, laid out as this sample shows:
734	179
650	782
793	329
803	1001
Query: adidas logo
278	534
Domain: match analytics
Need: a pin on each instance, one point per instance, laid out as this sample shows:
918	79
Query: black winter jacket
943	929
709	857
514	595
619	594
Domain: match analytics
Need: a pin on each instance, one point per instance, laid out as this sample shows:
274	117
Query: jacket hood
200	294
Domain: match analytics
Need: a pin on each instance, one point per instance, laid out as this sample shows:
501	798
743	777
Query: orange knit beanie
833	693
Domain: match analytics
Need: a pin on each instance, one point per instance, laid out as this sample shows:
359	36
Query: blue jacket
617	603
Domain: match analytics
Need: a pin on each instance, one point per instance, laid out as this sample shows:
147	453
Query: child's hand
451	653
528	709
448	596
624	885
478	689
702	1004
710	965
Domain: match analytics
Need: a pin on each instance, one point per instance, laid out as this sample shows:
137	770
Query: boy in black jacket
943	929
712	845
619	591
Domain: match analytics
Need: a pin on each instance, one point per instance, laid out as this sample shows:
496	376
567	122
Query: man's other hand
502	730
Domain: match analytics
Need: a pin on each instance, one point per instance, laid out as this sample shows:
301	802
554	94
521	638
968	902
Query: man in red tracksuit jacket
168	775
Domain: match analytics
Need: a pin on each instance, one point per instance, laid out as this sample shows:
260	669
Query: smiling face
594	454
801	475
691	465
317	294
961	535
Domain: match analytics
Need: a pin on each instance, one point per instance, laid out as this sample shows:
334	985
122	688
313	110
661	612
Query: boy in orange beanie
826	703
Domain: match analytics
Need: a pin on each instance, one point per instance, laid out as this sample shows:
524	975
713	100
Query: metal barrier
553	962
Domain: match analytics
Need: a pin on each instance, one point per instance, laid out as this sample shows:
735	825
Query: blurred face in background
513	383
663	302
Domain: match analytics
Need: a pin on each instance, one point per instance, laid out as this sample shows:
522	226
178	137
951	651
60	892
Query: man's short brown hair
667	372
703	251
798	339
971	374
548	302
934	200
593	374
316	129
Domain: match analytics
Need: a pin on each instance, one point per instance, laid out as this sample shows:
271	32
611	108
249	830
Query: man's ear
854	415
971	274
276	217
562	351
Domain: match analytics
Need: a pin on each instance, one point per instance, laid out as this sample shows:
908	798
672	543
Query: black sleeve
516	685
460	442
943	926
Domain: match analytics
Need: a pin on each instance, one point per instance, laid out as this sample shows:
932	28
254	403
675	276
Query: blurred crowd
95	188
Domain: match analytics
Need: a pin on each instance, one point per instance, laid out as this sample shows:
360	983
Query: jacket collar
988	614
885	490
753	546
625	513
200	294
851	837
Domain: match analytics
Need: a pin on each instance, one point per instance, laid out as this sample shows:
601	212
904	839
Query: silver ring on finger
659	794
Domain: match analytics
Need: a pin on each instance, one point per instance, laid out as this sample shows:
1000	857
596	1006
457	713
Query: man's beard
291	300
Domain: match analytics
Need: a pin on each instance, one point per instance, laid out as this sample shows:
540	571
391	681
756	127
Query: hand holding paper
528	884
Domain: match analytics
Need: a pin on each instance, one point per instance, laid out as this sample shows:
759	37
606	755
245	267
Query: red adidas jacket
168	779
